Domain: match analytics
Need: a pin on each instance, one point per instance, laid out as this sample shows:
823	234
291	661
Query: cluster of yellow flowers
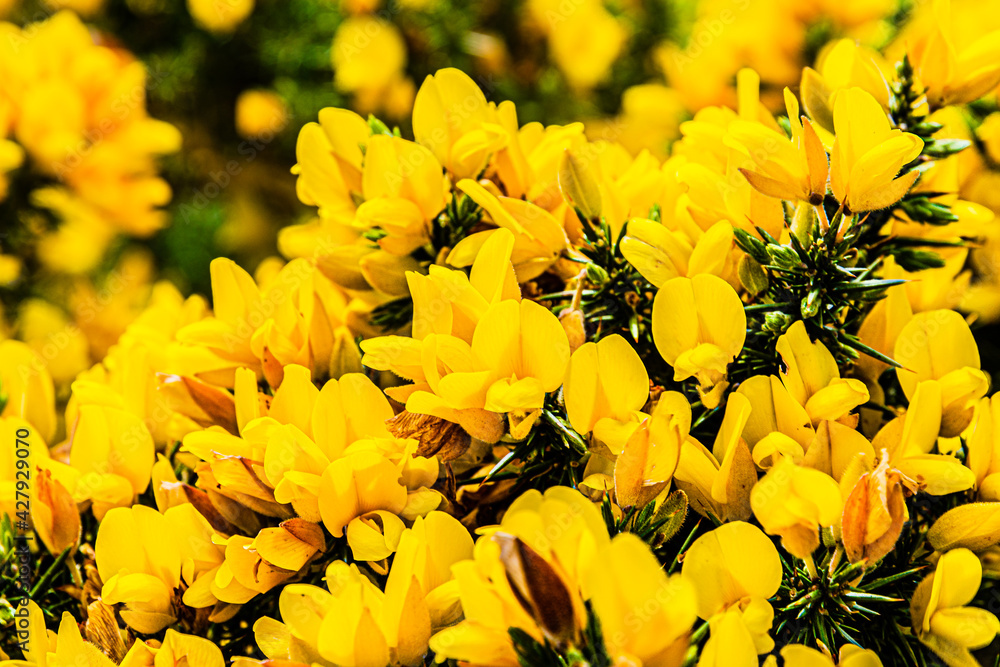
95	159
517	396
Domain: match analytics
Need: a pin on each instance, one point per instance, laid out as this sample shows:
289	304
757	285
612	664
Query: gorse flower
699	384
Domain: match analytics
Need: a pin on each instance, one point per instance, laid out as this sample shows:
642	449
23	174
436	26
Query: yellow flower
975	526
27	385
699	327
982	439
628	578
66	349
452	118
718	481
584	41
447	301
868	154
941	619
221	16
796	655
519	353
54	514
403	190
139	568
110	447
735	569
177	650
260	114
368	55
954	70
940	357
841	64
650	456
660	254
79	132
294	316
796	502
539	237
792	171
330	157
813	379
354	623
606	384
527	573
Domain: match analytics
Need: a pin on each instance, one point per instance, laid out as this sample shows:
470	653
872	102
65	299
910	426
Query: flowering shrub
516	393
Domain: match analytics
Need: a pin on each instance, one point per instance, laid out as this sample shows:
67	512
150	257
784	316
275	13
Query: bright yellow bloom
940	357
796	502
606	384
452	118
446	301
110	447
650	456
699	327
796	655
139	568
941	619
841	64
221	16
89	133
177	650
813	379
982	439
54	514
533	571
660	254
27	385
292	317
584	40
539	237
629	578
735	569
369	56
330	156
260	114
868	154
354	623
975	526
954	70
718	481
519	352
792	171
47	329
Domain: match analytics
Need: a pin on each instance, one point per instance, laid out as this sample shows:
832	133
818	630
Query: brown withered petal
436	436
217	403
203	504
205	404
102	630
306	531
541	591
854	521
